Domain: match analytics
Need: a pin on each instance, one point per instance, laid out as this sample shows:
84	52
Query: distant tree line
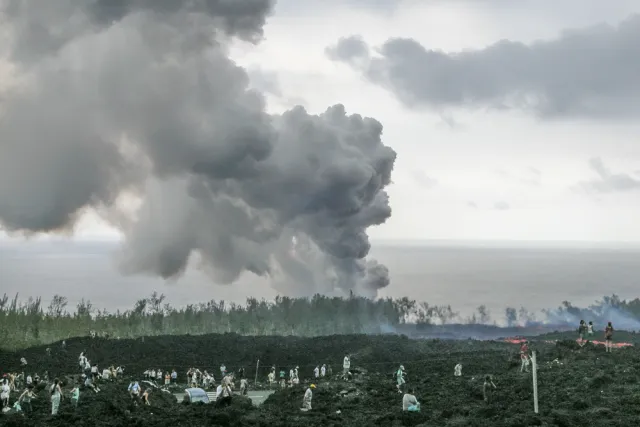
28	323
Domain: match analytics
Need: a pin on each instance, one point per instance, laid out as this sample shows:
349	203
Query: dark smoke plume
113	98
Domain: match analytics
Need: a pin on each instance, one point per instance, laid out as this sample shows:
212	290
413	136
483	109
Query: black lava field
577	386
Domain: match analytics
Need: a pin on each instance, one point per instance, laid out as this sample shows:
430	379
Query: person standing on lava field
174	377
582	333
524	357
94	372
306	400
487	388
244	386
608	337
56	395
316	372
589	331
241	373
223	370
82	361
5	391
457	370
291	376
145	396
283	382
12	381
272	377
346	365
75	396
25	399
400	378
323	371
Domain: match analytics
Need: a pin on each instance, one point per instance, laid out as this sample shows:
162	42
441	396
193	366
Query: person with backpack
582	333
608	337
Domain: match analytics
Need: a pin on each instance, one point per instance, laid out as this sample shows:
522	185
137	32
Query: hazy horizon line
469	243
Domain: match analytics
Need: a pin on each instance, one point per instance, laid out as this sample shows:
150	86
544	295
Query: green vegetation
26	324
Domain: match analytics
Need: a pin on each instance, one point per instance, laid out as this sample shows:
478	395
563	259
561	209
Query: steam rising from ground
139	97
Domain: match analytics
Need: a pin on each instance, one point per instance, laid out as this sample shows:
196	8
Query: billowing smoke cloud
592	72
139	97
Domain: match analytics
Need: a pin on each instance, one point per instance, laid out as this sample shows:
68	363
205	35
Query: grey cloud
348	49
593	72
293	7
141	97
607	182
265	81
501	206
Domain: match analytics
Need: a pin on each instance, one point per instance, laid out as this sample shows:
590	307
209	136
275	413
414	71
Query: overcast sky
512	120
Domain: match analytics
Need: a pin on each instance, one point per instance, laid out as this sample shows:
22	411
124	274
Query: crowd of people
586	333
24	385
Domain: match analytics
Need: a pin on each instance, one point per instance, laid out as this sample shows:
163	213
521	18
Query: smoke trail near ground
112	99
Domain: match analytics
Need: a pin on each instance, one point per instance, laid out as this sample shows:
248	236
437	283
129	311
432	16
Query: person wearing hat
306	400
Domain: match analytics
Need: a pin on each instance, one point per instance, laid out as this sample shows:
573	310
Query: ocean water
463	276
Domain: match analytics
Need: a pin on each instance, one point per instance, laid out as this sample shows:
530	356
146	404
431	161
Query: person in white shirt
400	378
106	374
5	391
56	395
94	371
29	380
306	400
323	370
410	403
316	372
457	371
346	365
134	389
244	385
